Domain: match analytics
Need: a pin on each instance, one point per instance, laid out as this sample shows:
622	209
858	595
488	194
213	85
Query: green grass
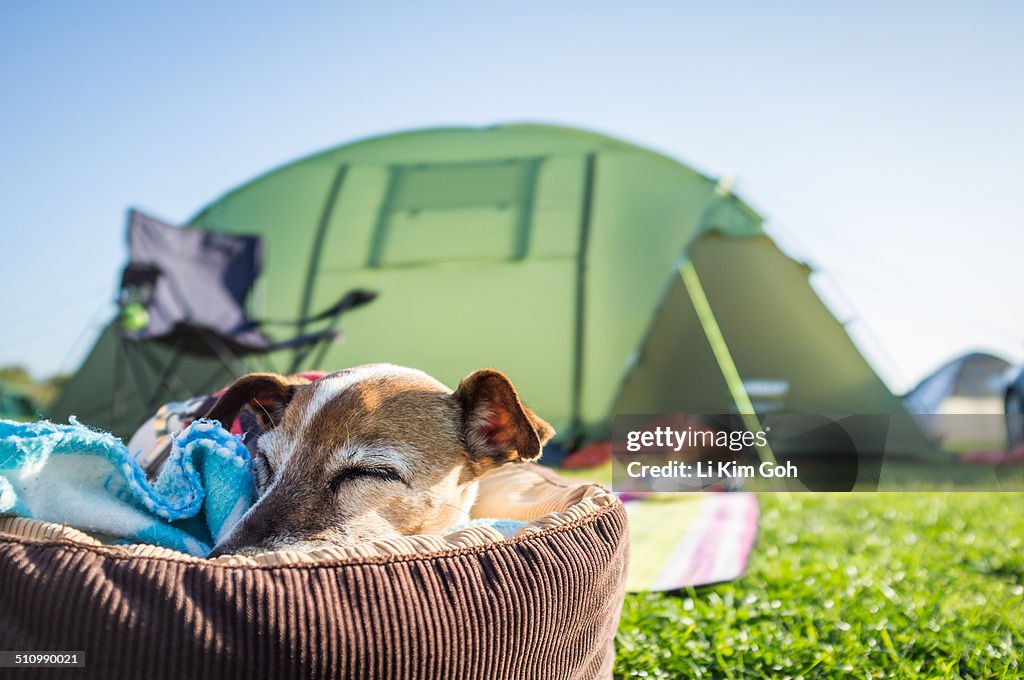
884	585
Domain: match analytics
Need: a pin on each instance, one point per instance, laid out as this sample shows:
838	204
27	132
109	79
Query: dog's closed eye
380	473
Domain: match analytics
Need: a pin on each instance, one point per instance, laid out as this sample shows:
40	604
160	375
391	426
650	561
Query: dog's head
371	452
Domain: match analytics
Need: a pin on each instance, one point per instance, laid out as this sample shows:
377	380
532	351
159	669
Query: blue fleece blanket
70	474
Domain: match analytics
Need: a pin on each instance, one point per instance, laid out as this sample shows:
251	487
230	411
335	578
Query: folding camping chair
185	288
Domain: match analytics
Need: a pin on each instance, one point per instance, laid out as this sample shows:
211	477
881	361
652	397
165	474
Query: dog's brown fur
372	452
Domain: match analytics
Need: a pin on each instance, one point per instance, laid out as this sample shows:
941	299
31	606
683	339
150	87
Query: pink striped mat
679	540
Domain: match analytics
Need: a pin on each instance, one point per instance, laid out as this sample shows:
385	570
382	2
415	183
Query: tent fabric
547	252
792	353
973	383
100	393
966	379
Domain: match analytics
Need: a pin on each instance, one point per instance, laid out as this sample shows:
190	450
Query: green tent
550	253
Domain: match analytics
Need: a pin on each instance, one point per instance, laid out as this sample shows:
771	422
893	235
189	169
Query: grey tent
972	384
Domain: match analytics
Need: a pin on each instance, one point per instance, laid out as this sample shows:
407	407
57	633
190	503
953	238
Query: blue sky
883	141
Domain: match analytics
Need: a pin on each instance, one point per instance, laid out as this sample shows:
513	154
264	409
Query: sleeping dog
371	452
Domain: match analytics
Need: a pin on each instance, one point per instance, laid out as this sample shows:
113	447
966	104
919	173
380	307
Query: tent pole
723	357
318	242
579	326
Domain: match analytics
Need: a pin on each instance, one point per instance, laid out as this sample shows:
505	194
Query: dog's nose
243	544
227	549
218	552
228	546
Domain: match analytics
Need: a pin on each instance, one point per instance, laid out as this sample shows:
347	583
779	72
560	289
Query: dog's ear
495	424
266	394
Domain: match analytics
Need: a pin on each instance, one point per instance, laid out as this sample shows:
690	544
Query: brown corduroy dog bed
544	604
